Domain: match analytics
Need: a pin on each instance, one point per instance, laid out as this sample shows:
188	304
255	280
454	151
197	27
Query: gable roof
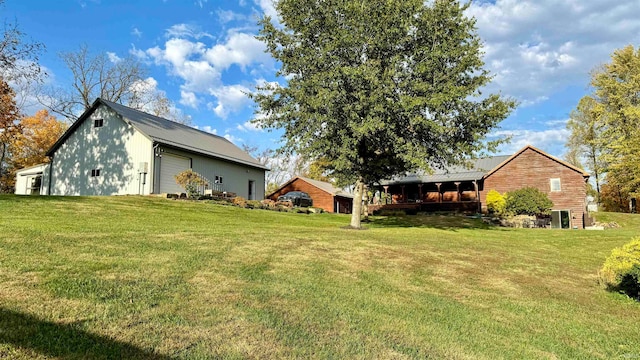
322	185
480	169
168	133
477	170
529	147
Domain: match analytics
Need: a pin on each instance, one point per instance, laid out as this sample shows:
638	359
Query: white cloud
113	57
208	129
189	98
201	66
240	48
136	32
186	30
249	126
230	99
549	140
538	47
233	139
268	8
226	16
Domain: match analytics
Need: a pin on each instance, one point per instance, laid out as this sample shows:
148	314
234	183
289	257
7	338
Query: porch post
475	188
439	193
386	194
403	198
457	190
420	191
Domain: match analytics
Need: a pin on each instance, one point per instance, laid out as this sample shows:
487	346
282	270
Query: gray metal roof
170	133
327	187
478	168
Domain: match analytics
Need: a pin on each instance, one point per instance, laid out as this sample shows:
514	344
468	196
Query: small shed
325	195
31	180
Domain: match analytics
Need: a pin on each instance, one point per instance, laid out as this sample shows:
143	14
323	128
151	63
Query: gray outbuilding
116	150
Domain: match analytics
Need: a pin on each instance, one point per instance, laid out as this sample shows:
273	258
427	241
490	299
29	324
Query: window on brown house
555	185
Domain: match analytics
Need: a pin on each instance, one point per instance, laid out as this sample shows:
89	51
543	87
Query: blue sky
204	56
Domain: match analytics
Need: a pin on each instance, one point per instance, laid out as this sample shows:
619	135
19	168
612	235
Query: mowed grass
148	278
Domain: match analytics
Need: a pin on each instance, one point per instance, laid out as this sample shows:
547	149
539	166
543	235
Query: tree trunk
365	200
357	205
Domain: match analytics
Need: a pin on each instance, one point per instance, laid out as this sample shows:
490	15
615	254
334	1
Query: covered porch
429	197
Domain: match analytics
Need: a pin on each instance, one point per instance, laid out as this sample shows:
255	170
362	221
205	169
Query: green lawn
133	277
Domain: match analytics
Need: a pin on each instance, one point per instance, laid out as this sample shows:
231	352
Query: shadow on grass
442	222
66	341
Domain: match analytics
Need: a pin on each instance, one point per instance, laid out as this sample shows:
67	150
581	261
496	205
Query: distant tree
378	88
318	169
120	80
585	143
18	56
278	172
617	91
38	133
9	129
614	198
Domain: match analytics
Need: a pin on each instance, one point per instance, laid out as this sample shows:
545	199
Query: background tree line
605	130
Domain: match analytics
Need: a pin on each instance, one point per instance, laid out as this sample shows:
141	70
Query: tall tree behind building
605	126
105	75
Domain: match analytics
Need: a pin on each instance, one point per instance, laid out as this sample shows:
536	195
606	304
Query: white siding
25	176
235	176
116	148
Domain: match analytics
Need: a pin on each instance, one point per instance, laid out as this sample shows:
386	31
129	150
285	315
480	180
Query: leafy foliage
378	90
614	198
38	134
9	129
190	181
606	124
528	201
584	141
621	270
496	203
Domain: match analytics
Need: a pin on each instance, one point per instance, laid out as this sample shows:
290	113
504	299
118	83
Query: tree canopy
606	124
37	135
378	88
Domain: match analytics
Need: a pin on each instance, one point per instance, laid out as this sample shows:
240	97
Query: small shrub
528	201
496	203
239	201
268	204
621	270
254	204
190	181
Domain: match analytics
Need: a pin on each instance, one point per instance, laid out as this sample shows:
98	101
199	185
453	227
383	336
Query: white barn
115	150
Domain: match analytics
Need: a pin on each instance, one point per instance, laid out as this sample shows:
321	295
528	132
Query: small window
218	179
95	172
555	185
98	122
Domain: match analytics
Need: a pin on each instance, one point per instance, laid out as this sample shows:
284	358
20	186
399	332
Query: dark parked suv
297	198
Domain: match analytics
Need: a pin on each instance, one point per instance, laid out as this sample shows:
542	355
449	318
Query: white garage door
170	166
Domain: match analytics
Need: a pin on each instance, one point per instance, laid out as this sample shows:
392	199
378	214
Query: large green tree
378	88
617	89
606	124
584	142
